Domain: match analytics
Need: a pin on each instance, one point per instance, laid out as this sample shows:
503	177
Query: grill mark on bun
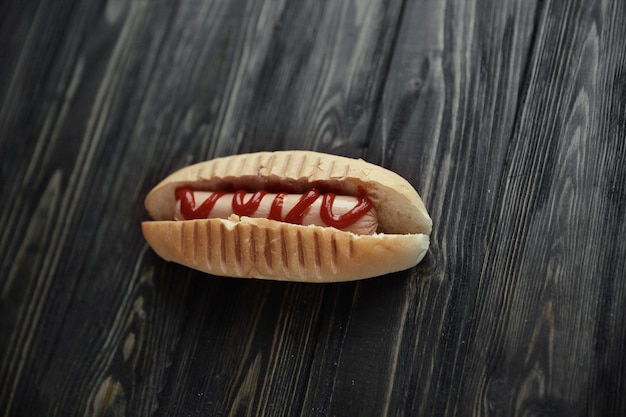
316	165
346	171
208	245
333	252
222	239
301	163
284	253
300	247
168	232
270	164
350	248
268	250
253	254
317	252
331	169
181	239
196	246
286	162
237	248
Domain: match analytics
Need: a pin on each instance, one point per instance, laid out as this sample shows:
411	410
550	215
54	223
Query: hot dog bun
261	248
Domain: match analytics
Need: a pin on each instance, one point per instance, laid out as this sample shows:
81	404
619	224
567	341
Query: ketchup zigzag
295	215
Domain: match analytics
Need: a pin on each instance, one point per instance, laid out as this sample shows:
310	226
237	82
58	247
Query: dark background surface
509	118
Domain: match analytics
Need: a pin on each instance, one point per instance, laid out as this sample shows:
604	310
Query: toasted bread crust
260	248
400	207
266	249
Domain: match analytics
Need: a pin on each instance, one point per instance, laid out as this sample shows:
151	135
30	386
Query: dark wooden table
509	117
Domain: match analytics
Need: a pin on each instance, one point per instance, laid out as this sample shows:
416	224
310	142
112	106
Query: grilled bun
260	248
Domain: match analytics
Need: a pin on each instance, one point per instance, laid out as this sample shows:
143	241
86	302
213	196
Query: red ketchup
277	207
296	214
189	210
188	204
342	221
241	209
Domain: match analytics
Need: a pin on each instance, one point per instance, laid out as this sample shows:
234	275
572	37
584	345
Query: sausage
208	204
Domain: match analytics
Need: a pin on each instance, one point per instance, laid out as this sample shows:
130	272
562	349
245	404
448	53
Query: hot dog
291	215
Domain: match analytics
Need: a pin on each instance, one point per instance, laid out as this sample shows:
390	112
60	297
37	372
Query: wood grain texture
508	116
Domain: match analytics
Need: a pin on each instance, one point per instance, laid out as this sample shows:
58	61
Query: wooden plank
447	112
65	232
554	261
525	248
